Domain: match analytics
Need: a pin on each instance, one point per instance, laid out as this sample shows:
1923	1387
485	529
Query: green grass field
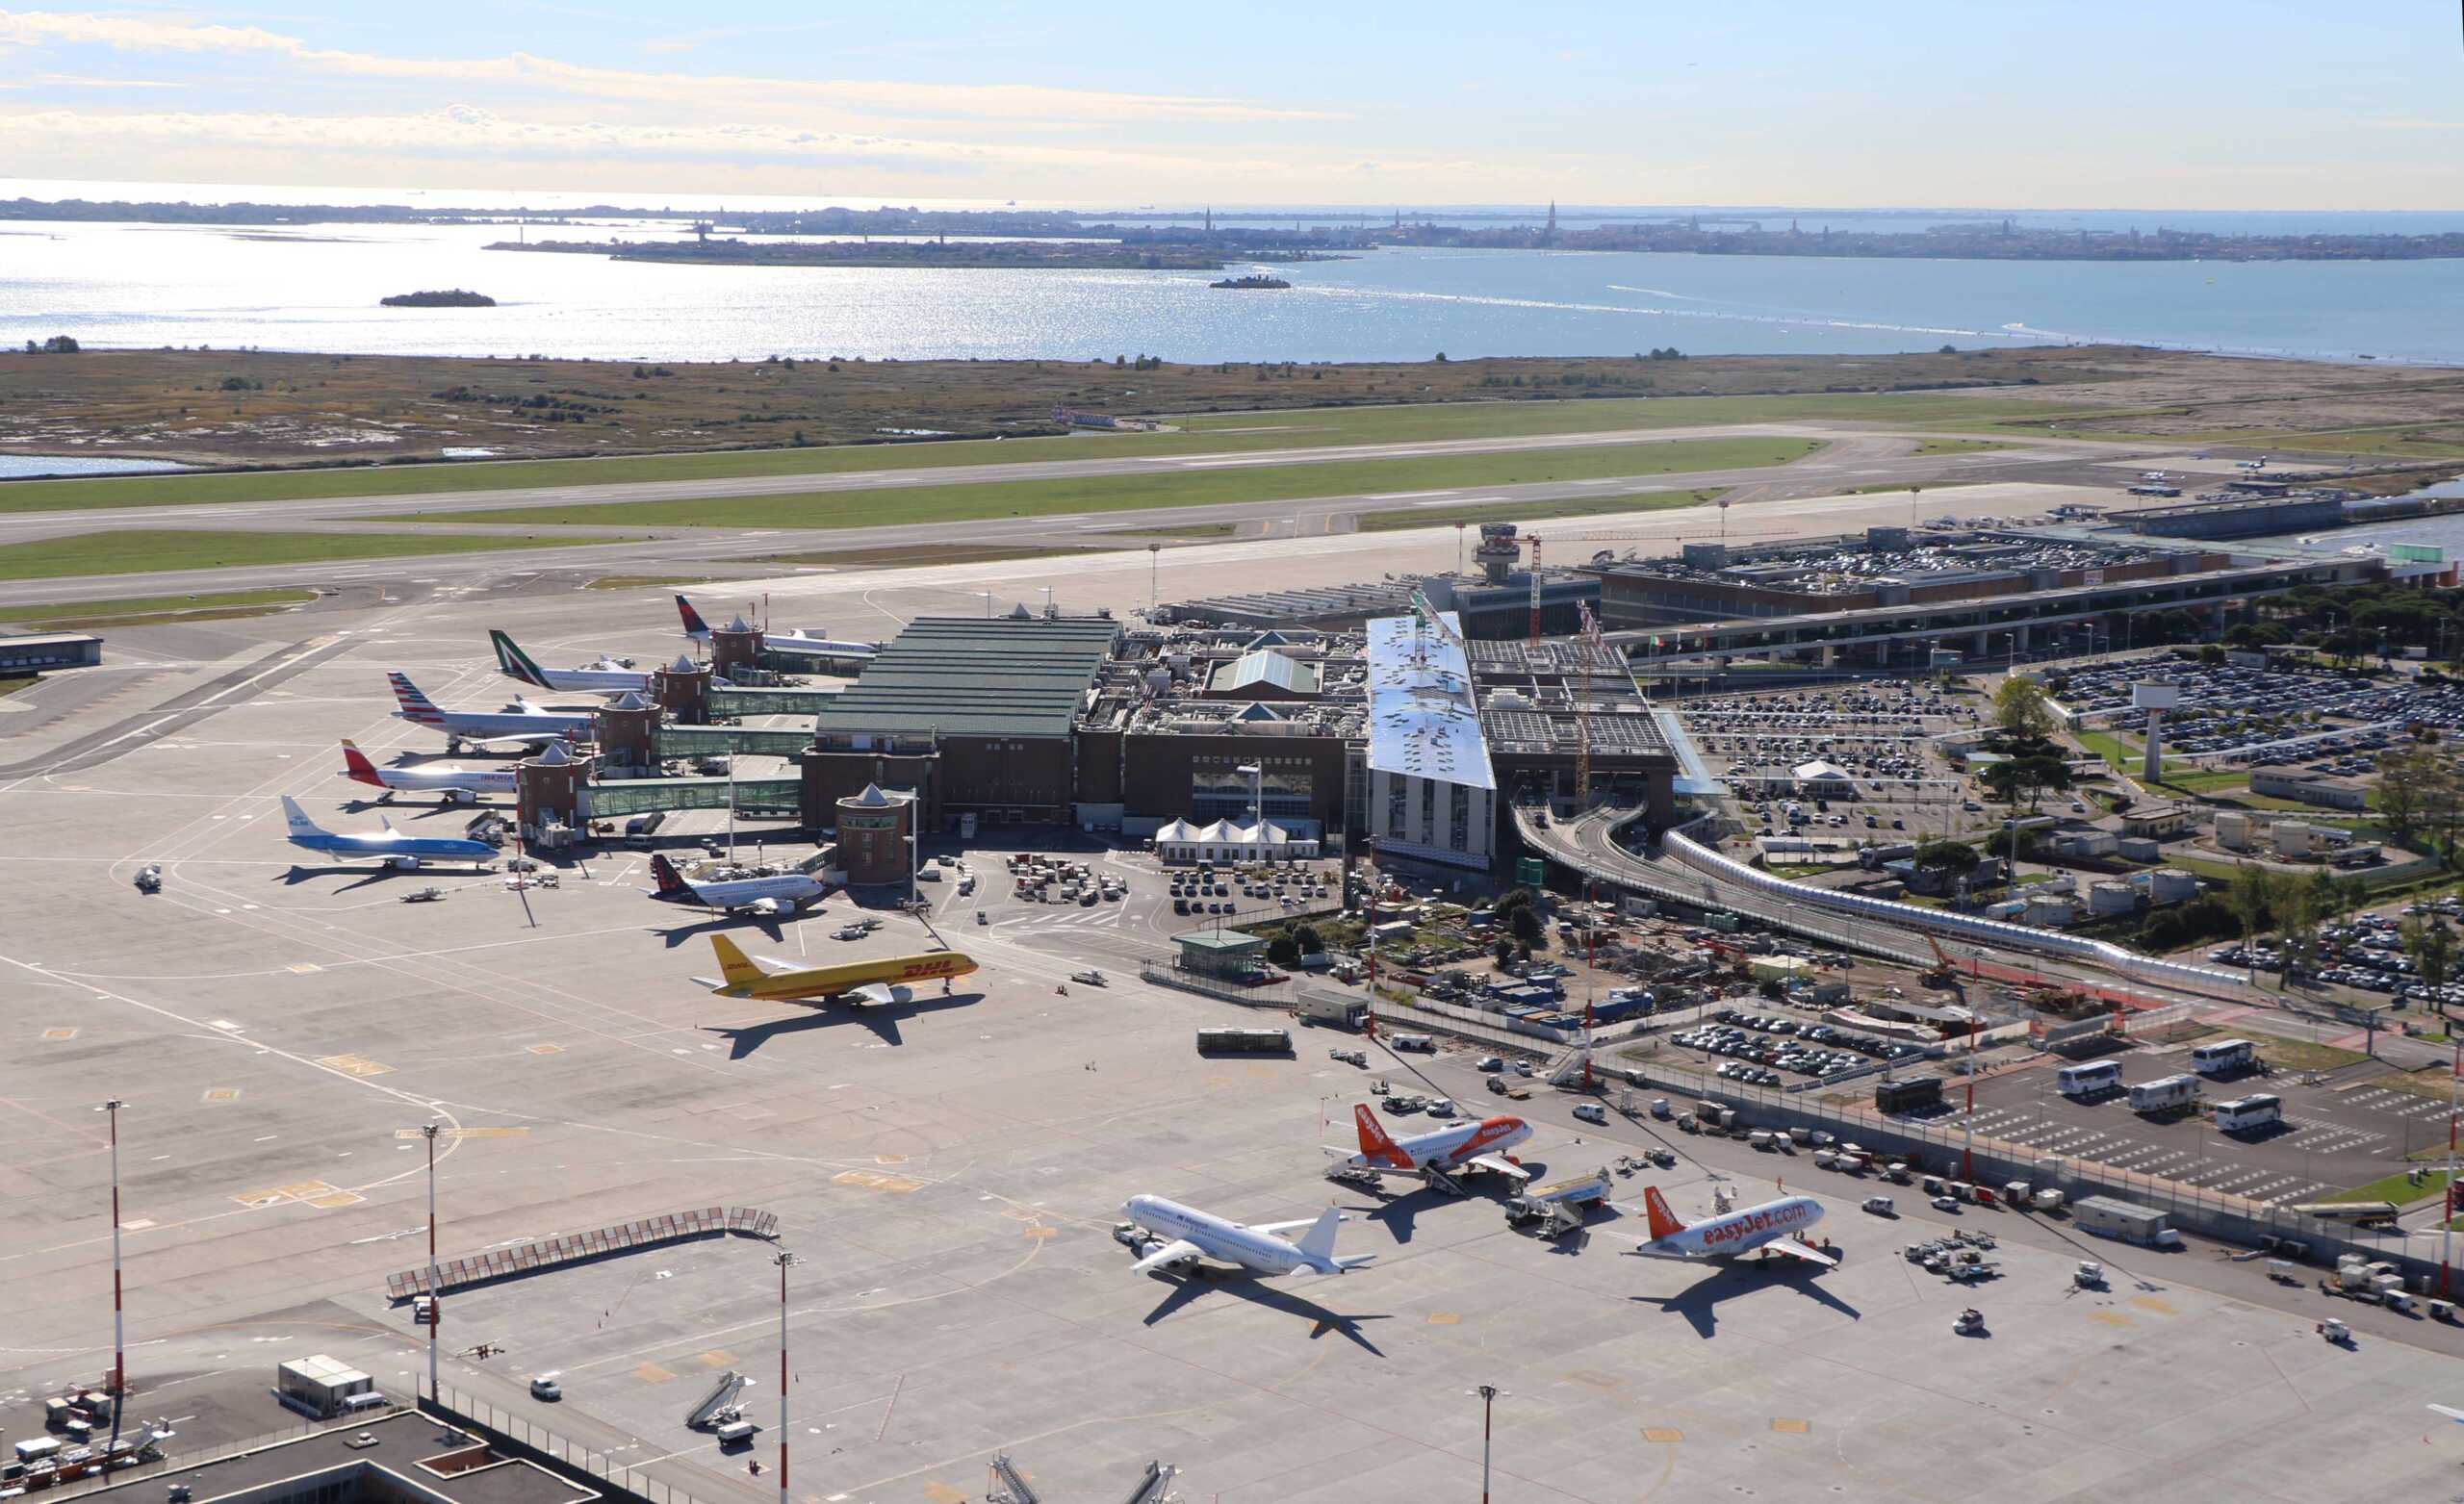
151	550
961	500
67	615
1529	510
1960	446
2398	1188
1250	432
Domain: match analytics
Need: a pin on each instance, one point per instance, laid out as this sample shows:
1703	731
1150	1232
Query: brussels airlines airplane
1771	1227
459	785
1480	1145
391	846
787	892
1184	1234
796	645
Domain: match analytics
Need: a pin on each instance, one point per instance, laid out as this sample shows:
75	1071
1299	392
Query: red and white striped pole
119	1326
782	1259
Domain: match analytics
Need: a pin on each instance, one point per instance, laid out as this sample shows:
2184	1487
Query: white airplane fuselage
1226	1241
1448	1148
1739	1232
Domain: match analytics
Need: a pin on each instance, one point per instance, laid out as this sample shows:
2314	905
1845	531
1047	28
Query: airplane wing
1498	1164
1279	1229
877	992
1179	1250
2456	1415
1797	1250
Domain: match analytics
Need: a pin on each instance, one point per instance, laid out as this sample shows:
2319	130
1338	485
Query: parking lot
2320	719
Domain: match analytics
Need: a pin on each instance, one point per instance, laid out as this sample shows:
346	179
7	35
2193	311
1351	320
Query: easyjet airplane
1480	1145
1773	1227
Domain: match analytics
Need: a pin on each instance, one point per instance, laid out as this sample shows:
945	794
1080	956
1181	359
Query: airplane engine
404	863
1150	1248
902	994
460	796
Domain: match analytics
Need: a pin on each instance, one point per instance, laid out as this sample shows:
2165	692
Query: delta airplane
1480	1145
391	846
459	785
787	893
881	980
606	677
1771	1227
520	724
798	645
1184	1235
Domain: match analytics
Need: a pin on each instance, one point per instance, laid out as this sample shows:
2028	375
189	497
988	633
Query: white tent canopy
1181	841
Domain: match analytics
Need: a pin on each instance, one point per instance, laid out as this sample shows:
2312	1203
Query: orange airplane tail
1375	1145
1664	1223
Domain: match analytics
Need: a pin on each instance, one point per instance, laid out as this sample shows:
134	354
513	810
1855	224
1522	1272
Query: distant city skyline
2092	103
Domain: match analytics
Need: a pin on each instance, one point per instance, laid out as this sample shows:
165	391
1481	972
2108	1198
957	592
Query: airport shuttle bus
2224	1054
1245	1041
2242	1114
2087	1081
2164	1094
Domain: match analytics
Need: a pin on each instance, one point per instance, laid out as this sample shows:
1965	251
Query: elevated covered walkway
709	741
615	797
740	700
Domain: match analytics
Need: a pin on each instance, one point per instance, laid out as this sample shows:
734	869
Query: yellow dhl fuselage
745	980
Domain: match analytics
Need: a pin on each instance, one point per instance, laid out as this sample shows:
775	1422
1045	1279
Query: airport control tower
2155	697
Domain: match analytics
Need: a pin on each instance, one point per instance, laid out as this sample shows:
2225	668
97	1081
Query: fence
2217	1214
573	1248
198	1457
515	1436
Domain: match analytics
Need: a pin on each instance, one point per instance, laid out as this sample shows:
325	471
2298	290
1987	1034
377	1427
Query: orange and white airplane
1466	1146
1773	1227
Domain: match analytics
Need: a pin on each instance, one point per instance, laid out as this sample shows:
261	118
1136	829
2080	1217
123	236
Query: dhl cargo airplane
881	980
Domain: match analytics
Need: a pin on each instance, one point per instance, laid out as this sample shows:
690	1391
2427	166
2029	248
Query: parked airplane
786	893
606	677
1771	1227
1480	1145
881	980
391	846
459	785
794	644
2456	1415
1186	1234
520	724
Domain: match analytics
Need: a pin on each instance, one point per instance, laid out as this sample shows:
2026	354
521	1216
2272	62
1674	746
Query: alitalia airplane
794	644
1773	1227
884	979
457	785
606	677
1480	1145
1179	1235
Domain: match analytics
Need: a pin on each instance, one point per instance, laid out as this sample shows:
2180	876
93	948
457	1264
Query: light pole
435	1296
988	602
119	1329
1154	574
784	1260
1488	1394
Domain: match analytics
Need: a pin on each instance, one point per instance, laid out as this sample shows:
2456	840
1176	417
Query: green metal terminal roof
976	676
1211	940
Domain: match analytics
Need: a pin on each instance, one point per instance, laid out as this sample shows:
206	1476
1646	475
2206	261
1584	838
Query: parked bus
2087	1081
2164	1094
2245	1113
1245	1041
1907	1094
2225	1055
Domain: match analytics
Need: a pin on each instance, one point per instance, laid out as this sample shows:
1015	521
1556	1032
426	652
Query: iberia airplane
881	980
1773	1227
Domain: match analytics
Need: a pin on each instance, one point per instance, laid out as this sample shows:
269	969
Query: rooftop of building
1421	718
1015	675
1853	562
403	1442
1264	667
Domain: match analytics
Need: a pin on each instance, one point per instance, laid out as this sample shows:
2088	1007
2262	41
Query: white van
34	1449
1592	1113
736	1432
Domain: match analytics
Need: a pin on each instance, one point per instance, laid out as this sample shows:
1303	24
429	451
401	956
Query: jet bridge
710	741
615	797
738	700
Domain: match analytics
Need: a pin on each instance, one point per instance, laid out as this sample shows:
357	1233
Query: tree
1524	924
2405	792
2211	655
2296	923
2022	710
1504	951
2030	775
1308	938
2248	898
2431	946
1283	951
1955	857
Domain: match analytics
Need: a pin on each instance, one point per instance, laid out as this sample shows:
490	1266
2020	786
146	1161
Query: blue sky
2163	104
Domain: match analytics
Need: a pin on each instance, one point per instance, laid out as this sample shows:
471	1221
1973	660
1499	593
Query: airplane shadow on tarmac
679	933
882	1018
1699	1303
1401	1215
1186	1288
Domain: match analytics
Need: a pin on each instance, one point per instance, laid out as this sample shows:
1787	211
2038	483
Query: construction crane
1944	973
1533	539
1582	712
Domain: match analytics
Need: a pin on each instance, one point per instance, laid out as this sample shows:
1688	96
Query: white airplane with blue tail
389	845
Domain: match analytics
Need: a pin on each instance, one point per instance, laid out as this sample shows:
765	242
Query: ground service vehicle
2087	1081
2363	1213
2107	1217
1908	1095
2244	1114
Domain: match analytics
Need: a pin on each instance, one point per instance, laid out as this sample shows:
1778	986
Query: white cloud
529	72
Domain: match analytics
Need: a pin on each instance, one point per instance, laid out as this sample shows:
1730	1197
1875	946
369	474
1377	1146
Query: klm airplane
391	846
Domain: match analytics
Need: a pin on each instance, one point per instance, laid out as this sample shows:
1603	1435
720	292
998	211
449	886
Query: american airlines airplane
520	724
459	785
1180	1236
1480	1145
786	893
390	846
795	644
1773	1227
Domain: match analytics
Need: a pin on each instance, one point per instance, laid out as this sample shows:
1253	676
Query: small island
1038	254
1253	280
450	297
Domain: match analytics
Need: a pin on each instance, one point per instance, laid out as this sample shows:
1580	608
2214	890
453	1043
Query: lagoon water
317	287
